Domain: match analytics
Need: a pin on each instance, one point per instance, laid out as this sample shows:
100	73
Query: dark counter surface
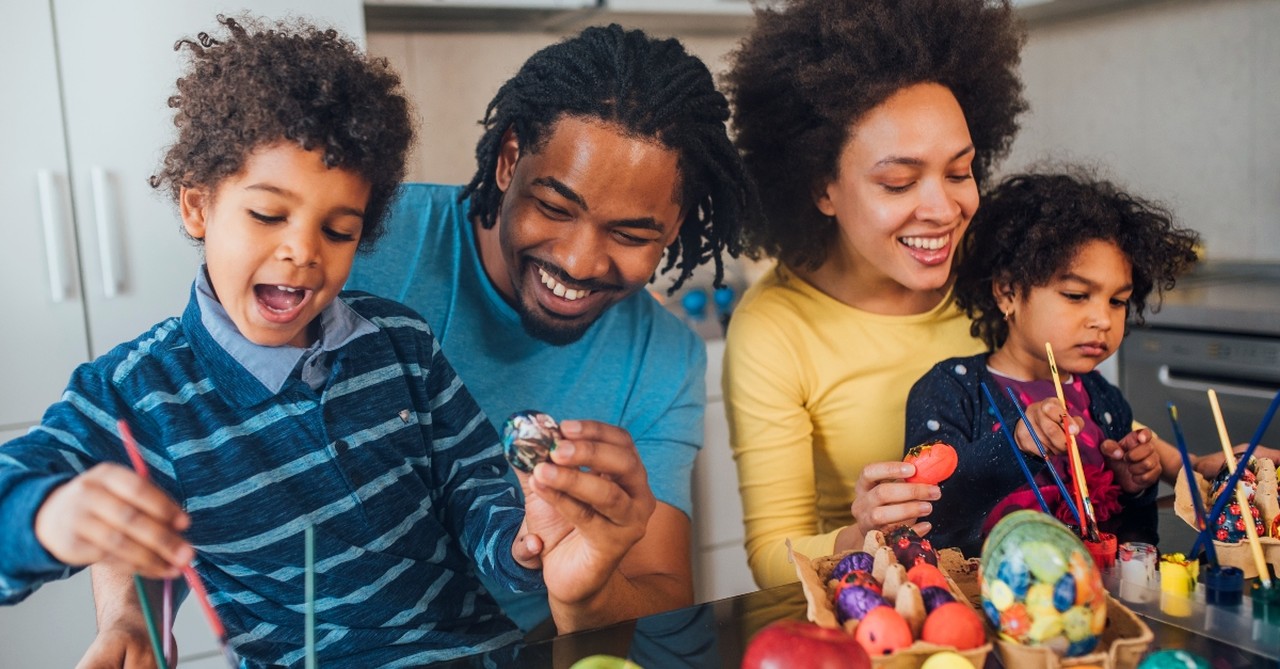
715	634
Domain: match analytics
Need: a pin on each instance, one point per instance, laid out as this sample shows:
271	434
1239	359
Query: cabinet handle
1199	383
104	205
53	218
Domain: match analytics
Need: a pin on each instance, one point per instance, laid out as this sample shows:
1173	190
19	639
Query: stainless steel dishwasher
1219	329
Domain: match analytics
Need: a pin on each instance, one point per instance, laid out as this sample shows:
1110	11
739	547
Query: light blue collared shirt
272	365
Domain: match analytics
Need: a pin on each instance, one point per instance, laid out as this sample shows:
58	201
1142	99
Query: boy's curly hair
1030	227
294	82
809	72
649	88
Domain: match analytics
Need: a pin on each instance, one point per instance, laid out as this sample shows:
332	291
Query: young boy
275	401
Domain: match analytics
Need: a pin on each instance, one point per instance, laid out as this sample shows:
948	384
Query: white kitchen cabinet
92	255
719	557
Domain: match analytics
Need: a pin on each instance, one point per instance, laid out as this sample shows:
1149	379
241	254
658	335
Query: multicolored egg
860	578
528	437
1173	659
1040	586
935	461
910	548
1229	526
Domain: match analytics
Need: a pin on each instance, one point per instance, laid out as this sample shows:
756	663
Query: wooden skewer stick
1242	499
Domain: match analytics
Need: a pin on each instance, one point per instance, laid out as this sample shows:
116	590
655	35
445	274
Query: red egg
882	631
925	575
934	461
954	624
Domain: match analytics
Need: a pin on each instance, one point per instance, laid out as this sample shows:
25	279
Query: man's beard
547	329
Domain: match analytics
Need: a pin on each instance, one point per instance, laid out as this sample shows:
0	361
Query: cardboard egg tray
1123	642
901	593
1237	554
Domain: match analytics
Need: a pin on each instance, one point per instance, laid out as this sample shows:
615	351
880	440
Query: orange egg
925	575
954	624
882	631
934	462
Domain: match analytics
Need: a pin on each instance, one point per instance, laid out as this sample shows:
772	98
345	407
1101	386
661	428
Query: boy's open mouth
281	300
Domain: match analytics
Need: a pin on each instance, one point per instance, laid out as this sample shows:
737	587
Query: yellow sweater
814	391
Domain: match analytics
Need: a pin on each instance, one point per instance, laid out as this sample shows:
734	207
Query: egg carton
1238	554
905	597
1124	640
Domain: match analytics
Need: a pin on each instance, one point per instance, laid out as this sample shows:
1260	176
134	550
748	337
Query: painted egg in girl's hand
934	462
528	437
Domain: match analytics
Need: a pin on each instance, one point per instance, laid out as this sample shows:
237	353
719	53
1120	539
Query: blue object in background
695	303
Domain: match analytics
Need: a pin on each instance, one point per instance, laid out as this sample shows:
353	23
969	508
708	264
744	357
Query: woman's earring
1007	314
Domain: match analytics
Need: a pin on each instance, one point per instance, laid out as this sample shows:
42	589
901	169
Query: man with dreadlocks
603	153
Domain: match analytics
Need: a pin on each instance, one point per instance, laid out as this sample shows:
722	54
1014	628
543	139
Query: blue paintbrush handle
1017	454
1062	487
1234	479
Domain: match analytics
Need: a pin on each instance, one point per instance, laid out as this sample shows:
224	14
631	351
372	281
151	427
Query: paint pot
1138	563
1104	551
1224	586
1266	602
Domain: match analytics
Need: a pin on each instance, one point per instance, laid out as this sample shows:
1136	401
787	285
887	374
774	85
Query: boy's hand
1046	418
1134	460
1209	465
110	513
127	647
588	520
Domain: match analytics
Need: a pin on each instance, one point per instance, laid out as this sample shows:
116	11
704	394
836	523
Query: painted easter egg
1248	482
859	578
910	548
1040	587
925	575
1173	659
946	660
882	631
934	462
956	625
528	437
855	561
855	601
1229	527
934	597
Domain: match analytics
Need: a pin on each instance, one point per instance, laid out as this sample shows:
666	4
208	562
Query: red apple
793	644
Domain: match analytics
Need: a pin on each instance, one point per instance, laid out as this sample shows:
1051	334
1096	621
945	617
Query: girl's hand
110	513
1134	460
1046	419
882	500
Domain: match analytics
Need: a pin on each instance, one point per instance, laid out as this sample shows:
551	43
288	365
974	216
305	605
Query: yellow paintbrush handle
1242	499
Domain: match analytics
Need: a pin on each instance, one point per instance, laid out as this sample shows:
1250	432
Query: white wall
1179	100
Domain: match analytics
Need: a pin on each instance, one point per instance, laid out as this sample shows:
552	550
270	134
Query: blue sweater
391	461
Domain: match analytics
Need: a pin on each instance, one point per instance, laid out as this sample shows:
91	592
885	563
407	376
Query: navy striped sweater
391	461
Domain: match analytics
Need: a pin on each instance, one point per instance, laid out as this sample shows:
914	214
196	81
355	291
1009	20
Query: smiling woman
869	143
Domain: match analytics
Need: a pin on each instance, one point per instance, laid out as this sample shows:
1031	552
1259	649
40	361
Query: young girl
1064	259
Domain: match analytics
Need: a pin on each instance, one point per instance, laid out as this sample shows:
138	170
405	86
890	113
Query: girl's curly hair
1030	227
809	72
294	82
651	89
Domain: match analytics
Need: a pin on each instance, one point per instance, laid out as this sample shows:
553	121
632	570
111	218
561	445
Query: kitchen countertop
715	635
1220	296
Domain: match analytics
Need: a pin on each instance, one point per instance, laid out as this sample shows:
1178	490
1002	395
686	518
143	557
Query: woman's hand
883	500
